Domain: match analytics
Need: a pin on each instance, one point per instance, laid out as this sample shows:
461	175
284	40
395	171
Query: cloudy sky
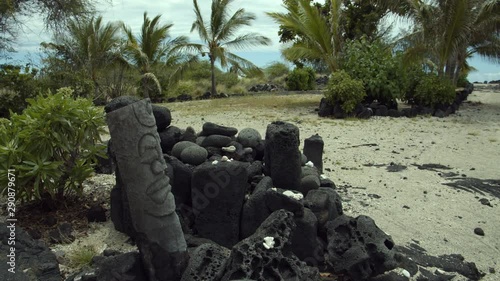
180	13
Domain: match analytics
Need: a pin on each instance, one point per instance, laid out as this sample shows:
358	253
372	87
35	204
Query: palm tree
90	45
219	36
448	32
321	35
154	45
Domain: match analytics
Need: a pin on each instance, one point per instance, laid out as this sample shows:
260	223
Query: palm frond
199	23
246	40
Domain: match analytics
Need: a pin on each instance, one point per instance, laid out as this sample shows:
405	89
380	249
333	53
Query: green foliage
374	64
199	71
276	70
345	90
433	90
16	85
462	81
414	74
81	257
228	79
52	146
184	87
301	79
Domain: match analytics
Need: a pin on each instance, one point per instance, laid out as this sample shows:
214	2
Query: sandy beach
412	205
379	167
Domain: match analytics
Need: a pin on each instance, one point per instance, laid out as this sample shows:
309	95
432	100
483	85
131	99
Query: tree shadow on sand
481	186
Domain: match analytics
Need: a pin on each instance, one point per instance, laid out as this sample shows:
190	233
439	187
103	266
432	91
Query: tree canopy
56	14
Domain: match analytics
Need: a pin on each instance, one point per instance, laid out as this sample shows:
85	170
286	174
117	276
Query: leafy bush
414	74
227	79
462	81
276	69
374	64
433	91
52	146
301	79
16	85
199	71
187	87
345	90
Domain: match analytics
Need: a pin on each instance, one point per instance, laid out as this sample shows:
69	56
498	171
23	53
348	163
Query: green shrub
462	81
414	74
52	146
16	85
199	71
380	71
432	91
276	70
227	79
345	90
301	79
187	87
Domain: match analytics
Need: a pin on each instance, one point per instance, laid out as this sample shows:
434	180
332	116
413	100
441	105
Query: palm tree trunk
212	68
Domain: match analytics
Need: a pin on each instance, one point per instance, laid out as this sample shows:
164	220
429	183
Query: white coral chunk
406	273
310	164
323	177
229	149
291	194
215	162
224	159
268	242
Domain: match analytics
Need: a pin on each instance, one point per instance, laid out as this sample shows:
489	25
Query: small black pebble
472	169
405	178
425	192
485	202
492	270
464	175
479	231
406	207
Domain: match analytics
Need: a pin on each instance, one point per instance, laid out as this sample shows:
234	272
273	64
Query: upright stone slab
282	156
140	162
313	150
217	192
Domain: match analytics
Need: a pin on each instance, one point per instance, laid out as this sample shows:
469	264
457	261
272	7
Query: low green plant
275	70
184	87
377	67
82	257
462	81
414	74
52	146
345	90
228	79
432	91
301	79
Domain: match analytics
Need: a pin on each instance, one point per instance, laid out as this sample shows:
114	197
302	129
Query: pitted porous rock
357	246
250	259
206	263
